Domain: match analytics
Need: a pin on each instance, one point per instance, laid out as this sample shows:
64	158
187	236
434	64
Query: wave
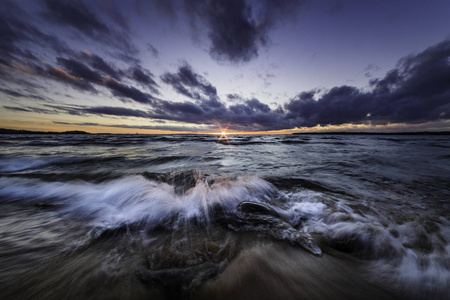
295	142
8	165
18	164
411	254
133	198
404	249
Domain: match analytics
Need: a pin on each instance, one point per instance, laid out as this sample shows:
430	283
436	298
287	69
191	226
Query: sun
224	133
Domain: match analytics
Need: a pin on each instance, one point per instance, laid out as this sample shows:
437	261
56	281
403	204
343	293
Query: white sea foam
130	199
134	198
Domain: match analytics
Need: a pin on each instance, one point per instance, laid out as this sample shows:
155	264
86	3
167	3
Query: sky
193	66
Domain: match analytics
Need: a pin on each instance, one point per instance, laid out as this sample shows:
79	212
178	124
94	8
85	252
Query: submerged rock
257	208
197	251
252	216
186	259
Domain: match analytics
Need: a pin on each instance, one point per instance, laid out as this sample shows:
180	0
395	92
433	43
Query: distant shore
375	133
13	131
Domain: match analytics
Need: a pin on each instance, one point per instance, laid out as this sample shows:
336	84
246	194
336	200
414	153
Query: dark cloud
416	91
187	82
256	105
14	33
79	124
250	115
138	74
80	70
101	65
142	77
180	111
234	97
238	28
16	108
82	77
77	15
337	106
8	40
12	93
58	109
111	9
40	110
115	111
130	92
255	117
96	110
63	76
145	78
17	94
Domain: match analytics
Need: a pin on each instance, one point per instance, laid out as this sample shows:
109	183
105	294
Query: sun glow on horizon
223	134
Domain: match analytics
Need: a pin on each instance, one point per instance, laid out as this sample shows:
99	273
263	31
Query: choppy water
264	217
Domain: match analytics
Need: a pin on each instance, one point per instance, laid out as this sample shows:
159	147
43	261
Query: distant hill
377	133
12	131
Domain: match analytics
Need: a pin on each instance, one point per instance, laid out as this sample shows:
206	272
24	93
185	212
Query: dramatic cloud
41	110
63	76
77	15
417	91
15	108
15	34
115	111
238	28
16	94
250	107
49	45
80	70
99	64
124	91
189	83
79	110
145	78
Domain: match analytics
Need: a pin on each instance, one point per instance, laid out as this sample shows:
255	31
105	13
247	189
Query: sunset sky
261	66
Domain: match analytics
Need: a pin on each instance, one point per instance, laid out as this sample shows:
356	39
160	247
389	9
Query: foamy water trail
95	222
416	250
134	198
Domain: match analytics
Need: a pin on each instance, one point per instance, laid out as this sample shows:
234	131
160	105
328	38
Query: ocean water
263	217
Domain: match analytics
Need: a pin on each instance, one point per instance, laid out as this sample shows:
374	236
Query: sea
323	216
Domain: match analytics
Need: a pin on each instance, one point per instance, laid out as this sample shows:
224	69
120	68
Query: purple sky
187	65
